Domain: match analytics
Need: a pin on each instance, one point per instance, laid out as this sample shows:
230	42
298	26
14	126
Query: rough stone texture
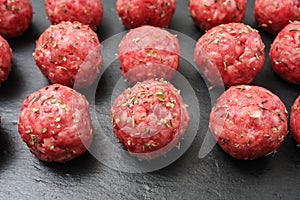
217	176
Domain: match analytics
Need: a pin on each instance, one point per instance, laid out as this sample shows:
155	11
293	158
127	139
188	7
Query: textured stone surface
217	176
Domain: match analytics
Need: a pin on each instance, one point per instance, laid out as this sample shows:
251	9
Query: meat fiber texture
135	13
249	122
237	51
150	118
285	53
55	123
69	54
87	12
274	15
149	52
294	121
207	13
5	59
15	17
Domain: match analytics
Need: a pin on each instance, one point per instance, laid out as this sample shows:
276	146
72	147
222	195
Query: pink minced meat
69	54
135	13
274	15
249	122
149	52
208	13
15	17
5	59
55	123
294	121
150	118
87	12
237	51
285	53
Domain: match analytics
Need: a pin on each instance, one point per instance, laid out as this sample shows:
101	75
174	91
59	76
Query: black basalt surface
216	176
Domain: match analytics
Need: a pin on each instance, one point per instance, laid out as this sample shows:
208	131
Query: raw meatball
69	54
237	51
249	122
294	121
274	15
150	118
55	123
88	12
149	52
135	13
5	59
15	17
207	13
285	53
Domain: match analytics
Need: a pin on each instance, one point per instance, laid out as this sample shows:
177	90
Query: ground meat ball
88	12
274	15
150	118
69	54
285	53
15	17
55	123
149	52
209	13
5	59
294	121
237	51
249	122
135	13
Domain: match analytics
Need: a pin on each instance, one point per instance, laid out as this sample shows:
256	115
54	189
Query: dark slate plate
216	176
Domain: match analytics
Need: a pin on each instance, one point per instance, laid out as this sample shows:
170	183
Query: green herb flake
62	104
154	53
57	119
118	120
33	139
67	109
166	122
275	130
160	95
44	130
136	40
35	110
143	117
248	96
278	112
148	52
53	100
293	30
170	105
296	106
28	131
37	98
